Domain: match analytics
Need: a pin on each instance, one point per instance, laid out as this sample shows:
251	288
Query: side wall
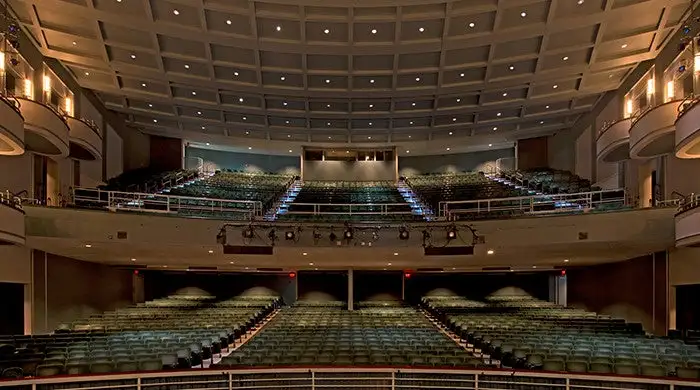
248	162
350	170
532	153
635	290
477	286
166	154
452	163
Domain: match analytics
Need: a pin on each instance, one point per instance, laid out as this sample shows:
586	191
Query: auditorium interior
385	194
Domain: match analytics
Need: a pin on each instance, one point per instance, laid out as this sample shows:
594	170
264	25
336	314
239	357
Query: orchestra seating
435	188
174	332
148	180
381	334
229	185
549	181
527	333
365	197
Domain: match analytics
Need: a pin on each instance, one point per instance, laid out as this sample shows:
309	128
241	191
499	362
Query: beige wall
585	154
114	154
561	151
16	173
681	176
683	268
14	264
136	148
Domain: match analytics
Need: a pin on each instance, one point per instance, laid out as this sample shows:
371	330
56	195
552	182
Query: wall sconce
47	84
28	89
669	90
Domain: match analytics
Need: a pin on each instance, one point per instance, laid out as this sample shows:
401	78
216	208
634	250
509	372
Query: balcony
613	143
688	222
651	134
11	127
85	139
688	129
46	132
11	220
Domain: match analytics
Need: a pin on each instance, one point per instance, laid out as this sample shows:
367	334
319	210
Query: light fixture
374	31
413	104
579	2
388	263
278	28
450	133
155	121
328	106
87	73
287	122
490	145
249	148
245	119
650	86
495	128
290	235
459	100
328	81
88	246
240	100
75	43
204	128
498	114
410	123
421	29
211	251
47	84
228	21
132	259
511	67
187	66
461	75
408	151
670	90
247	132
235	73
523	14
541	122
326	31
150	105
207	142
328	124
311	263
489	252
417	78
284	103
471	25
505	94
369	137
555	86
624	46
565	58
199	112
547	106
534	266
348	234
133	56
194	93
454	119
566	260
289	136
282	78
370	123
143	85
448	149
231	262
290	150
371	81
176	12
451	233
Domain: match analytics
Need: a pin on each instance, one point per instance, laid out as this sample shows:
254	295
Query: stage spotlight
317	235
221	237
248	232
272	235
333	237
348	234
403	233
452	233
290	235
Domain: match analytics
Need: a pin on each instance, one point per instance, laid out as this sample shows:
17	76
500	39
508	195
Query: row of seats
549	181
173	332
370	335
148	180
523	332
256	187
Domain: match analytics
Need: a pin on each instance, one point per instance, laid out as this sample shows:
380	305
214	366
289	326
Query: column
138	294
28	309
644	181
350	290
561	289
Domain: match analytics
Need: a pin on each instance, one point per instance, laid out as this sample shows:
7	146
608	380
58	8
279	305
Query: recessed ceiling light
410	136
511	67
328	81
498	114
246	267
413	104
328	106
396	253
199	112
282	78
489	252
245	118
388	263
228	21
461	75
247	132
495	128
371	81
454	119
329	137
579	2
505	94
284	103
287	122
326	31
371	105
459	100
235	74
88	246
133	259
119	1
541	122
450	133
187	66
523	14
421	29
471	25
410	123
143	85
374	31
75	43
369	137
534	266
290	150
155	121
165	266
210	251
547	106
304	253
87	73
133	56
150	105
328	124
490	145
231	262
278	28
566	260
194	93
624	45
240	100
250	147
311	263
176	12
408	151
417	78
204	128
447	149
289	136
555	86
565	58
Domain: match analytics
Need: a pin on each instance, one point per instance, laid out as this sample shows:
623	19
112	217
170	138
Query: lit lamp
2	70
696	62
650	87
47	89
669	90
68	106
28	89
628	107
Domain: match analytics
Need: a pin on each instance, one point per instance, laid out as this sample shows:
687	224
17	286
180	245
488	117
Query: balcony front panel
651	134
613	144
688	131
46	132
688	228
11	224
85	140
11	127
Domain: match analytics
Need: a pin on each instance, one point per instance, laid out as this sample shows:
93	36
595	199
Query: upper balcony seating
378	334
365	197
148	180
527	333
174	332
436	188
259	187
549	181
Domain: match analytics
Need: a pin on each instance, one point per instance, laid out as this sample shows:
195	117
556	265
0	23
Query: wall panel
452	163
248	162
350	170
532	153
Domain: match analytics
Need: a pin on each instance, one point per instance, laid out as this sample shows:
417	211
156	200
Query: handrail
162	203
647	110
59	114
12	102
687	103
607	125
8	199
350	209
690	202
354	378
89	123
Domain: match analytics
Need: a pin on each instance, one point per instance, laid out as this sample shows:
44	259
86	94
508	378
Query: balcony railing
349	209
8	199
169	204
687	104
533	205
688	203
11	101
352	378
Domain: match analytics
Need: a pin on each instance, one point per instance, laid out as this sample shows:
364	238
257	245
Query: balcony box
85	139
613	143
11	127
46	131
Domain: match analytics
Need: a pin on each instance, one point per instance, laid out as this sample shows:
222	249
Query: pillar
28	309
53	182
561	290
351	291
138	294
644	171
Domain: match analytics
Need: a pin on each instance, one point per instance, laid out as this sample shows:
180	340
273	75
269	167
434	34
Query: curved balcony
651	134
688	129
11	127
46	132
85	139
688	222
613	143
11	219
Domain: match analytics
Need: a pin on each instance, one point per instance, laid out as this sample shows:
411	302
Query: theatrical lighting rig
403	233
451	232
